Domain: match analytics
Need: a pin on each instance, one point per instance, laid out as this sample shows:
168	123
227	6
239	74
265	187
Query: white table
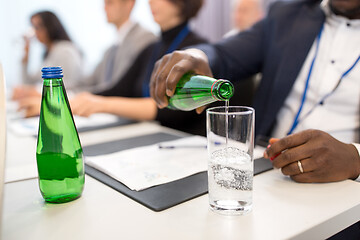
282	208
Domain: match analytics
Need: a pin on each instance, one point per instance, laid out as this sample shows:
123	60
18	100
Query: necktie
109	68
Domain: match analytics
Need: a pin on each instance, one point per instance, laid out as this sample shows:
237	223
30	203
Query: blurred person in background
59	51
308	53
131	40
130	97
245	14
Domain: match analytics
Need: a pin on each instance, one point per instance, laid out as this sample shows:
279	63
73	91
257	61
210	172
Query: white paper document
258	152
144	167
29	126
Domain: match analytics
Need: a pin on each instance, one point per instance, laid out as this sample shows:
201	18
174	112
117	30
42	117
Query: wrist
102	104
356	160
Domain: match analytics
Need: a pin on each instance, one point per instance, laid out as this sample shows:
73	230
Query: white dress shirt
339	115
123	31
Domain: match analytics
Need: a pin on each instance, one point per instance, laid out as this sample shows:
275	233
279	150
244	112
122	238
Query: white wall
86	24
84	20
213	20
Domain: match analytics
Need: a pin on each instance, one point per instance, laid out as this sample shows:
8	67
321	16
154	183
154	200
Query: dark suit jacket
277	47
131	84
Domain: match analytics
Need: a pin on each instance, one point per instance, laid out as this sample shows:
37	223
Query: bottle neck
222	90
52	82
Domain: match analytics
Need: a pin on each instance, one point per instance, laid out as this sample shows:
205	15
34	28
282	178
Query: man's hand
170	68
322	157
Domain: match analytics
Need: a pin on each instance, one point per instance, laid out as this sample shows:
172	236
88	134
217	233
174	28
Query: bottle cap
52	72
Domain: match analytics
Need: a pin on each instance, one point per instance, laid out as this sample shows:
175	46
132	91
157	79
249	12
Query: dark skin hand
323	158
170	68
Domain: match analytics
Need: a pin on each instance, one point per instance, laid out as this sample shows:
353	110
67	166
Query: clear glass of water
230	134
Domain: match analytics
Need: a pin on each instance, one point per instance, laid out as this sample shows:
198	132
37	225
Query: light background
85	21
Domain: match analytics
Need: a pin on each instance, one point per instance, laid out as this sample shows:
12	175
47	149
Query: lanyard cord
155	54
179	38
296	120
321	102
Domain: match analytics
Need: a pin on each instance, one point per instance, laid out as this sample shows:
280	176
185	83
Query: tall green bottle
193	91
59	154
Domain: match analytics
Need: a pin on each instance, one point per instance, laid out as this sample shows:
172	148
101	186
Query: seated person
59	51
131	40
130	98
245	14
306	54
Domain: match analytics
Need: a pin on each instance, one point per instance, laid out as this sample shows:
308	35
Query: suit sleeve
239	56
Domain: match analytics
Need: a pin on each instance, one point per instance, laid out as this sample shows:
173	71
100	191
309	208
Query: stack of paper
144	167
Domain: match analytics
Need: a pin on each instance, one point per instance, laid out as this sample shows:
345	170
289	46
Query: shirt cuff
357	145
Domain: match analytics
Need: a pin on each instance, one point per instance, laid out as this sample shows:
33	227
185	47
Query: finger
200	109
159	82
28	113
290	156
25	103
32	111
85	114
18	93
88	112
294	168
273	140
152	79
177	71
288	142
80	112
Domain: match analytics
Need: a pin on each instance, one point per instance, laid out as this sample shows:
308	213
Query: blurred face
118	11
246	13
40	30
347	8
165	13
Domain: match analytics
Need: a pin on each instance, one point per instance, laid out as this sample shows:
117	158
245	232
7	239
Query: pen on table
184	146
181	146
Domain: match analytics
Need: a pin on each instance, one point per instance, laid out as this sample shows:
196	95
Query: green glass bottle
193	91
59	153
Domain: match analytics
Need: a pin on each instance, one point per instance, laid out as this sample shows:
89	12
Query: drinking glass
230	134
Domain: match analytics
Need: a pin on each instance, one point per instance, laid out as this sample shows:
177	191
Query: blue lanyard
321	102
155	54
179	38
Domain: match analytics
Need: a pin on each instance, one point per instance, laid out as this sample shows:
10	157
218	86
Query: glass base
62	198
235	208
